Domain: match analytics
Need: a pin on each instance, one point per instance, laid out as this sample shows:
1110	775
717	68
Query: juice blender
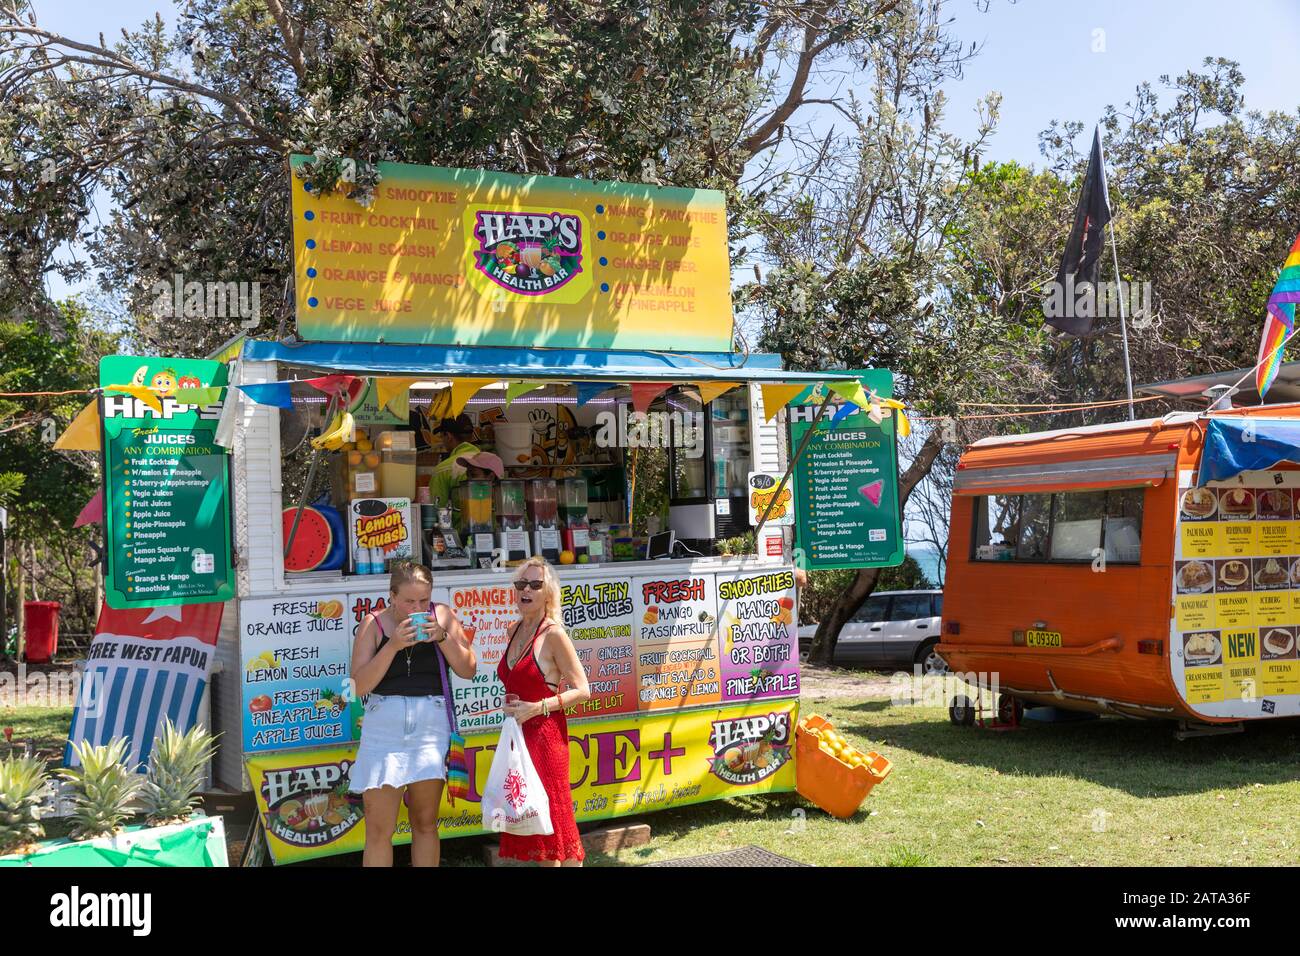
476	515
543	510
512	536
573	514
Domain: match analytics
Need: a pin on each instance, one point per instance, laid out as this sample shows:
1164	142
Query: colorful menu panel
599	618
468	257
646	642
1236	613
758	635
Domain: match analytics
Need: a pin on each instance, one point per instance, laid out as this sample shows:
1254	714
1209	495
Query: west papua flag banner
144	665
1081	263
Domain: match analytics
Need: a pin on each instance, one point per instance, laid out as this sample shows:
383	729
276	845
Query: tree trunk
847	604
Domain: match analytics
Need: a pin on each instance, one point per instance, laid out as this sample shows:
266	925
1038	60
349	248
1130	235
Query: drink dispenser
573	512
476	515
543	511
512	535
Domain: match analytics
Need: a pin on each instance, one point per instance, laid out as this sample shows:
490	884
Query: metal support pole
1123	321
803	445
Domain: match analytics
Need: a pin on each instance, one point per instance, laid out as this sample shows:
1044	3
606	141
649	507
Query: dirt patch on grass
835	683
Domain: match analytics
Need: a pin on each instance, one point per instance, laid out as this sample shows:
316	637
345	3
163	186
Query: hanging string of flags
83	434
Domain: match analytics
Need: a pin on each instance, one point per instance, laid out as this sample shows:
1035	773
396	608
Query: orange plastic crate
834	786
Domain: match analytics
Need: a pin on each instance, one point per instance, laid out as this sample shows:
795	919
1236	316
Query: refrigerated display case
708	484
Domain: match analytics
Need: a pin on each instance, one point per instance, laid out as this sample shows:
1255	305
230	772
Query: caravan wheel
961	711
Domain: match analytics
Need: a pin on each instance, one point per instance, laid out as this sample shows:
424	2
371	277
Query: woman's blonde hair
406	572
550	586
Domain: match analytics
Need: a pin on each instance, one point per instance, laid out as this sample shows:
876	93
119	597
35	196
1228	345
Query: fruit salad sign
167	490
618	765
846	483
468	257
676	622
296	661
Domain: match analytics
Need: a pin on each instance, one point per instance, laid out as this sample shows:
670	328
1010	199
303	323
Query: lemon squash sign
467	257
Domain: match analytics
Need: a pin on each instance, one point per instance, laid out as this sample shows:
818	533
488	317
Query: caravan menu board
1236	615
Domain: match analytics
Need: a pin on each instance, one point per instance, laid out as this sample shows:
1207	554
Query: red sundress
548	746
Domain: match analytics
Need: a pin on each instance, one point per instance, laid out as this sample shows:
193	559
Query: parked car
894	629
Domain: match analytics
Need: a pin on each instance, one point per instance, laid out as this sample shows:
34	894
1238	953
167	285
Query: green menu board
166	487
846	483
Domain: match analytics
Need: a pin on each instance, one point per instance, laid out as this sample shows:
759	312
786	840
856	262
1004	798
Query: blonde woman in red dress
538	662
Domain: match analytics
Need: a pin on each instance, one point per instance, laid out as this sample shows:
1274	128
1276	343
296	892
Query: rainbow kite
1280	321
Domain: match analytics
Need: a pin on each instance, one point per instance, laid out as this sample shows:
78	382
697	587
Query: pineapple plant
176	773
101	788
23	786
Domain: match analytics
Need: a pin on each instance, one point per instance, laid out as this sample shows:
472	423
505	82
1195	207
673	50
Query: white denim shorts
403	740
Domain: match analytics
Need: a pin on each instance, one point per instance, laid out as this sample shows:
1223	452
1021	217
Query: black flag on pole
1072	304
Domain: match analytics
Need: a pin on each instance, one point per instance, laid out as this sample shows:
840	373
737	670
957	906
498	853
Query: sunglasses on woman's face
523	585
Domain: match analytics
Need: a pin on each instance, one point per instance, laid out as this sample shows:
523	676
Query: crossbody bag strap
446	681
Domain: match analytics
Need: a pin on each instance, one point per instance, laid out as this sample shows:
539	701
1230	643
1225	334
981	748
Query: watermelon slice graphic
311	543
873	491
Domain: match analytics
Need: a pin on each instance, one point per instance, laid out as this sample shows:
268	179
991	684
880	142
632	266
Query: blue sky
1039	54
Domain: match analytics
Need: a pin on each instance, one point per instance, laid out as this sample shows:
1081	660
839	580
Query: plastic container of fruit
835	785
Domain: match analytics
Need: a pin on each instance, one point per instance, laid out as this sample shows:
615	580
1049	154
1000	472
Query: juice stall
1144	569
484	365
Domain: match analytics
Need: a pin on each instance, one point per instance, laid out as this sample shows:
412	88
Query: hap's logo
529	252
749	749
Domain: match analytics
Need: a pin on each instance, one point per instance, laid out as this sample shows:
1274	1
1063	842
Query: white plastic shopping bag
514	800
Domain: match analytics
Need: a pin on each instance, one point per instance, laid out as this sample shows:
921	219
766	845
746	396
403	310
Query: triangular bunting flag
275	394
332	384
83	433
199	396
515	389
904	426
462	390
711	390
851	391
93	512
589	390
843	412
146	395
387	389
644	393
777	396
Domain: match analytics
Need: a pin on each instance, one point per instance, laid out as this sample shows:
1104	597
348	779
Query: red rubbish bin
42	619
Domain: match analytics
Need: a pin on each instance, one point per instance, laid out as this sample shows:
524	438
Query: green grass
45	727
1101	792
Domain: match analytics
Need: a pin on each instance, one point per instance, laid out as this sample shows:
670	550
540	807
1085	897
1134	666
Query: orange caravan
1147	569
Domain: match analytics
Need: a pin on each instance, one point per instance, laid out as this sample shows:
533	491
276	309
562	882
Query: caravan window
1072	526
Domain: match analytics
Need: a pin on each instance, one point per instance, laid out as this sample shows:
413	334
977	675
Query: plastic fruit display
566	557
